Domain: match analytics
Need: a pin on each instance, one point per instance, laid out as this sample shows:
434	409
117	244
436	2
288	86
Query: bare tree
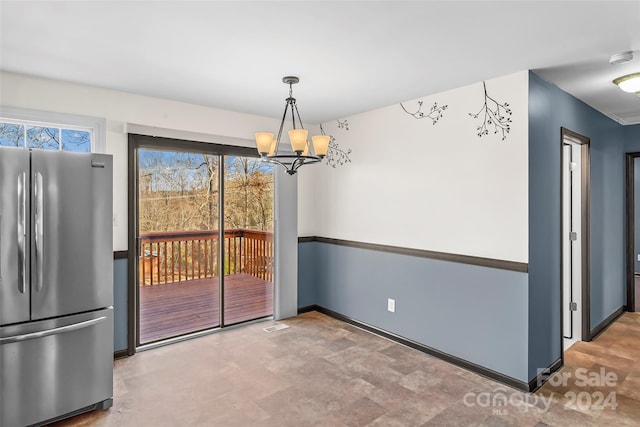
42	137
180	192
248	189
11	135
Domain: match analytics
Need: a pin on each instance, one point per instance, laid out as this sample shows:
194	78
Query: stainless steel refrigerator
56	285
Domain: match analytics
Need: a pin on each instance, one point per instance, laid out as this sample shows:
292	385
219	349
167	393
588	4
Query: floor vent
276	327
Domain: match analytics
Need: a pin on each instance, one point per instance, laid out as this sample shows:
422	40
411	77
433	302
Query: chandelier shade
321	144
301	151
263	142
298	140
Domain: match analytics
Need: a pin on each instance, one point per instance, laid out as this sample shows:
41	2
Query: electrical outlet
391	305
638	257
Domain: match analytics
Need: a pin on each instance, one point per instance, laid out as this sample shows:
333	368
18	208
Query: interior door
572	242
72	243
14	235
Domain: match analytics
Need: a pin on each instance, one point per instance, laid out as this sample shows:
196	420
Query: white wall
121	109
436	187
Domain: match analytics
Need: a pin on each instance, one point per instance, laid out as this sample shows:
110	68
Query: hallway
605	373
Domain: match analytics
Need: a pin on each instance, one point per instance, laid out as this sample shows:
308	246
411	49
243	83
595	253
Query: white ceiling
351	57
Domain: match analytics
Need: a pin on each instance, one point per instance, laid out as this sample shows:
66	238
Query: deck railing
168	257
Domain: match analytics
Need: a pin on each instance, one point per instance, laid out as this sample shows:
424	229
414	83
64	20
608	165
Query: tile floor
323	372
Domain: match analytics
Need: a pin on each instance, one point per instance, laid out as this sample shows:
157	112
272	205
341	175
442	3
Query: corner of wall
308	266
544	230
550	109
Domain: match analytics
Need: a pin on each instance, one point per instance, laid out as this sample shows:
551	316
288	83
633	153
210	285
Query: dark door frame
630	235
135	142
585	231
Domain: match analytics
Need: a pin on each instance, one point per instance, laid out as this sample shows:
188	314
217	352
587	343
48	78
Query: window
51	131
45	136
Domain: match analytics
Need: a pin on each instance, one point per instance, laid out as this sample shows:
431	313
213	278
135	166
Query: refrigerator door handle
22	232
39	232
54	331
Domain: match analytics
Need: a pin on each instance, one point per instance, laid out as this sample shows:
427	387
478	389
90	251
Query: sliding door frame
136	142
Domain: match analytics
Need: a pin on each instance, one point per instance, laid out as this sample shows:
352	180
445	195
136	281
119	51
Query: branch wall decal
337	156
495	114
435	113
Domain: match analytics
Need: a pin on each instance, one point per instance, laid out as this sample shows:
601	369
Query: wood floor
602	373
323	372
178	308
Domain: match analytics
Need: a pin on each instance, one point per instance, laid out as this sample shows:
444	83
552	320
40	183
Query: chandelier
302	152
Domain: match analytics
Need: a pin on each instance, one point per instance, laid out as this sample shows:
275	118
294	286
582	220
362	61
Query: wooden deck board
178	308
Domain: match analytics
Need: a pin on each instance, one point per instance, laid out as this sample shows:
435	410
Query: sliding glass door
203	240
248	219
178	243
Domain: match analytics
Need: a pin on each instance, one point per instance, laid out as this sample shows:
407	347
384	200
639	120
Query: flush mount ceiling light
268	147
629	83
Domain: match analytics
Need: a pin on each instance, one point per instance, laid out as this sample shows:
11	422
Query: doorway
633	232
575	238
202	233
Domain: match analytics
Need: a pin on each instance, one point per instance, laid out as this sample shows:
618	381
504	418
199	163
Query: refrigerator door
72	244
14	235
54	367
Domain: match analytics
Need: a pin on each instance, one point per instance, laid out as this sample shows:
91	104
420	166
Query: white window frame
95	125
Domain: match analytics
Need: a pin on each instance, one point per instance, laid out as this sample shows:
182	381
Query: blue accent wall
608	278
632	139
632	145
550	109
307	272
120	302
474	313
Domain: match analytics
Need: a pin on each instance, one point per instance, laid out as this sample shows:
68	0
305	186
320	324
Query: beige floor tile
324	372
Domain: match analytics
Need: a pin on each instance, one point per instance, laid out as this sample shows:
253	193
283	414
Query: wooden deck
168	310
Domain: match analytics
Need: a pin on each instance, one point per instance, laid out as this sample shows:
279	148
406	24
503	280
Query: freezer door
53	367
72	244
14	235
